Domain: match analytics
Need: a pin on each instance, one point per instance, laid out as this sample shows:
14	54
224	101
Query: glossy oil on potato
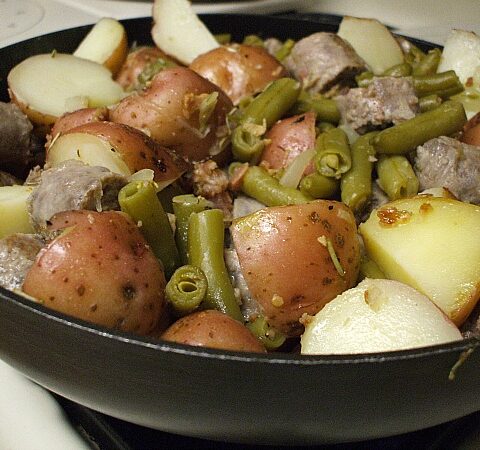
431	244
213	329
100	270
285	261
240	70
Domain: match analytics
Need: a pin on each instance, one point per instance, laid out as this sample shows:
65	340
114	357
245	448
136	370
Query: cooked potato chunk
377	316
431	244
14	211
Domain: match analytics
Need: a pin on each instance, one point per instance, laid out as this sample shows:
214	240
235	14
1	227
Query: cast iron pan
272	399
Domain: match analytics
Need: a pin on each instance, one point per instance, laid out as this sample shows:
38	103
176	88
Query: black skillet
273	399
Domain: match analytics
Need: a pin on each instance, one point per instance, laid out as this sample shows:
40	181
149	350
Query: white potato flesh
179	32
377	316
46	83
13	210
431	244
461	53
87	148
106	44
372	41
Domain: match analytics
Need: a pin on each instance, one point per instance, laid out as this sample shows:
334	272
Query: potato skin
239	69
471	131
165	112
213	329
288	138
135	63
100	270
287	268
137	149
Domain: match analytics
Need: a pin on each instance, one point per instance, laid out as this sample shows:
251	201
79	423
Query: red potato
240	70
120	148
286	263
168	111
100	270
213	329
471	131
288	138
136	62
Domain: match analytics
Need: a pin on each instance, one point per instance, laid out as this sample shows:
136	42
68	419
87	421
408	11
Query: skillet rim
285	359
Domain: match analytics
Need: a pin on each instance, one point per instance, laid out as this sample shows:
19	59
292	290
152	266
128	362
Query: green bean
186	290
139	200
429	63
223	38
285	49
414	55
260	114
370	269
205	249
356	184
396	176
253	39
183	207
404	137
268	336
364	79
151	69
442	84
261	186
333	156
321	127
399	70
429	102
325	108
319	186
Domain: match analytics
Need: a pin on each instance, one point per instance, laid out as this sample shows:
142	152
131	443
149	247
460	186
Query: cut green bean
319	186
442	84
396	177
139	200
370	269
186	290
404	137
261	186
325	109
260	114
253	39
356	184
429	63
268	336
399	70
183	207
333	156
285	49
205	249
364	79
223	38
429	102
414	55
321	127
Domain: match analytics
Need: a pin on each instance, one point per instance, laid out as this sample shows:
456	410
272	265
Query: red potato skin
471	131
165	112
136	62
100	270
240	70
137	149
288	138
289	272
213	329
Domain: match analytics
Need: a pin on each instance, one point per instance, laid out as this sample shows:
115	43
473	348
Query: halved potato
377	316
118	147
297	258
431	244
106	44
372	41
178	31
43	86
14	211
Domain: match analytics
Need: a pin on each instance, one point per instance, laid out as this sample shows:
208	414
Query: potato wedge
118	147
289	276
377	316
13	210
178	31
431	244
106	44
372	41
44	98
